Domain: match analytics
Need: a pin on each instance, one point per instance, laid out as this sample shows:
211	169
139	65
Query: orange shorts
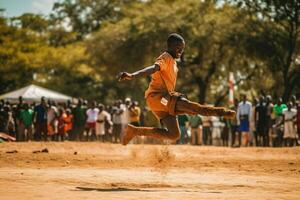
162	104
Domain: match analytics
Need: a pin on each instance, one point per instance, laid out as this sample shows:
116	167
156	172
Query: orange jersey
163	80
68	122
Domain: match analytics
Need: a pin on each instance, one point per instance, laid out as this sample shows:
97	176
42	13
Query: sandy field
94	170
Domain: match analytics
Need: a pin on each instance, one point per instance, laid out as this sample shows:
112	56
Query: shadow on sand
122	189
118	189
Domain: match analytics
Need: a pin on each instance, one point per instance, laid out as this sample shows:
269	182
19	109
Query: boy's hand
125	76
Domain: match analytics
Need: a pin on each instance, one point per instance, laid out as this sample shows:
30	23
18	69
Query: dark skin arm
141	73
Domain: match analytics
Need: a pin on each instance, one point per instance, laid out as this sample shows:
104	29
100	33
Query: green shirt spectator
182	119
26	117
79	114
195	121
279	108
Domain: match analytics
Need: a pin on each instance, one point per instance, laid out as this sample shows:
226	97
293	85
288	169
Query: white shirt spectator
116	116
92	115
216	127
100	126
244	108
289	128
51	114
289	114
125	114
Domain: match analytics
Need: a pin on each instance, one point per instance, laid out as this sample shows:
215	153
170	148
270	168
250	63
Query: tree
26	58
86	16
276	40
210	32
34	22
17	50
65	70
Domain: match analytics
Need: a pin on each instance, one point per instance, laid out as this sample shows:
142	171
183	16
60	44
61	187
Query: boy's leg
171	133
186	106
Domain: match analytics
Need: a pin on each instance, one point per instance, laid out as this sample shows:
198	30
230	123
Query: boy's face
176	49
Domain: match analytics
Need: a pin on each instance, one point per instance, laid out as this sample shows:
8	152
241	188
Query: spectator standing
225	131
134	119
183	123
108	124
40	120
68	121
3	118
261	118
295	107
117	124
79	120
277	131
279	107
289	116
216	130
252	124
61	124
243	119
100	126
26	121
234	126
11	127
207	124
125	118
92	117
269	117
195	122
19	127
278	122
52	120
134	114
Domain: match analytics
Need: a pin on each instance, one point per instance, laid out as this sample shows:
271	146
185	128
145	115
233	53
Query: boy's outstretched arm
143	72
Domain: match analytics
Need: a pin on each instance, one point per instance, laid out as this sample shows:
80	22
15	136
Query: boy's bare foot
129	133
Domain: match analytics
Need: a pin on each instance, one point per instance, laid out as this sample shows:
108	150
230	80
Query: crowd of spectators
83	121
260	123
257	123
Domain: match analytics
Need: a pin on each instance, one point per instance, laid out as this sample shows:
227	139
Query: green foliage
212	37
31	21
276	40
17	49
81	47
86	16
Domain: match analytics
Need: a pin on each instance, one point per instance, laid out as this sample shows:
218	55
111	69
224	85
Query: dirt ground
94	170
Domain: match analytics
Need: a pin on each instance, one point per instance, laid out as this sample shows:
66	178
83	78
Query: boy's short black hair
174	38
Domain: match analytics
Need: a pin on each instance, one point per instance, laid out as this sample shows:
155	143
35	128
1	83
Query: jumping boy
161	98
